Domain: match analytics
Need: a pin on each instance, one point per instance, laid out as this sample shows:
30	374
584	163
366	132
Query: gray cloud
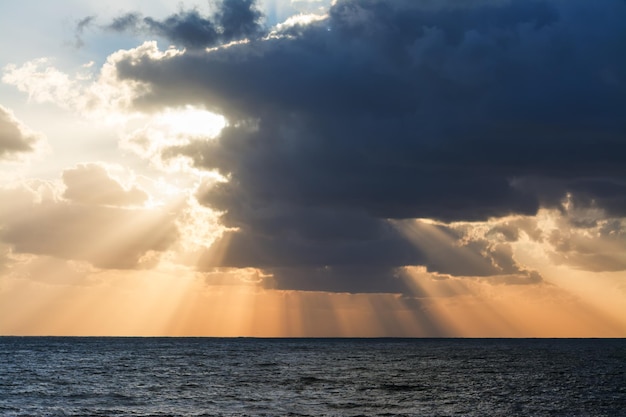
15	138
92	184
107	237
583	237
81	25
233	20
586	239
125	22
399	110
334	252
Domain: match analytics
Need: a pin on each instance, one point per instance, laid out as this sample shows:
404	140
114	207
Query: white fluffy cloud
98	95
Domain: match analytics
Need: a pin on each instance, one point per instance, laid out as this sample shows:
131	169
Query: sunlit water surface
311	377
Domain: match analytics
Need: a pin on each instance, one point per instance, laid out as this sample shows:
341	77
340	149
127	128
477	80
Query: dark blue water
311	377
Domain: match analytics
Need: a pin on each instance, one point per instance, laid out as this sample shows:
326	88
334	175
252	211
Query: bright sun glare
193	121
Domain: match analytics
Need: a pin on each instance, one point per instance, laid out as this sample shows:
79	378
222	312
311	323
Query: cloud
102	96
401	110
588	239
36	221
50	270
347	252
580	237
92	184
600	253
343	131
81	25
15	137
126	22
461	107
233	20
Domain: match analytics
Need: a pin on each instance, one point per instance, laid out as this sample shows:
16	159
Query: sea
110	376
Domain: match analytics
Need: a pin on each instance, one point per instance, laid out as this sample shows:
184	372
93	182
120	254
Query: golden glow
162	303
69	279
471	307
42	295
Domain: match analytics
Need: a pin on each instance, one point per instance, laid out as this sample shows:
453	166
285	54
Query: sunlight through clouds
173	127
193	122
317	168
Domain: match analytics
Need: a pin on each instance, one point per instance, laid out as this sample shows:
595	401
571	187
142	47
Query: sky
333	168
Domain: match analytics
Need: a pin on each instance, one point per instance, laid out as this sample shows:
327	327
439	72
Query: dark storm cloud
233	20
404	109
329	250
606	191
